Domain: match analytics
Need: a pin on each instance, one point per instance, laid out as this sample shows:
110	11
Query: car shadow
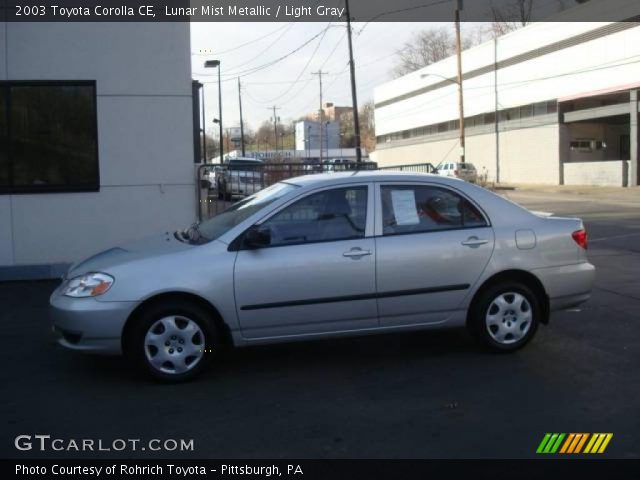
373	352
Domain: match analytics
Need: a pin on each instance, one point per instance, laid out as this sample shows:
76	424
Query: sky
290	84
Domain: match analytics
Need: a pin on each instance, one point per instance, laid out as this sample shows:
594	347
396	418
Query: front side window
217	226
48	138
416	209
337	214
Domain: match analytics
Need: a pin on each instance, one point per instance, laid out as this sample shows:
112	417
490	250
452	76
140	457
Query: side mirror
257	237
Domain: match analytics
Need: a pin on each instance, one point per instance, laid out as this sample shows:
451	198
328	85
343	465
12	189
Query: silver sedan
323	256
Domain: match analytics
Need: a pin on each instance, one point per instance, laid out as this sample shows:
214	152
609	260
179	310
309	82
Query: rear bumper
568	285
562	303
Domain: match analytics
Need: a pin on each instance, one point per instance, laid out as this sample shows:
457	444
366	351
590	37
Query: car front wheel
505	317
172	341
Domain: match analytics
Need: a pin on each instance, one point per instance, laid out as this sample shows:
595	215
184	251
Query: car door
432	245
317	273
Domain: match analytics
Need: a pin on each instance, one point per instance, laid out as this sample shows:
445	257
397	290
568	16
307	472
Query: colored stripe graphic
598	442
550	443
573	443
581	443
557	444
544	441
567	443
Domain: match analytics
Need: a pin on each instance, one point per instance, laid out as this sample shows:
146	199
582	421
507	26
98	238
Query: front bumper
89	325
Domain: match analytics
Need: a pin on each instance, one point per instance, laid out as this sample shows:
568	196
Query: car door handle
356	253
474	242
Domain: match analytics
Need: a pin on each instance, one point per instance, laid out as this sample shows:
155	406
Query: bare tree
429	46
511	16
514	14
212	148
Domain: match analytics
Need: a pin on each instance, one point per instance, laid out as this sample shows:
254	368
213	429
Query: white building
309	135
96	139
551	103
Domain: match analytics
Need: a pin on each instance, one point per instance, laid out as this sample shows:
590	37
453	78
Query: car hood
152	246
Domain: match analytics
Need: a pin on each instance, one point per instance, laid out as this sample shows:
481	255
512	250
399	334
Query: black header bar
309	10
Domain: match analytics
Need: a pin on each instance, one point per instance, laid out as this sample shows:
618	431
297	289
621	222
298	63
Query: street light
460	107
216	64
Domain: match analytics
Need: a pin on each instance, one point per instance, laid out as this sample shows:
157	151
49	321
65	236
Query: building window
48	137
584	146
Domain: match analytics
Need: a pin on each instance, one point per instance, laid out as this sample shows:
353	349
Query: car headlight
89	285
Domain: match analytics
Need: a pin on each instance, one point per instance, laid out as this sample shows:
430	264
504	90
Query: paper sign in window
404	207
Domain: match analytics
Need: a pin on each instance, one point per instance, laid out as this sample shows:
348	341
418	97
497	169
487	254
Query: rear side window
416	209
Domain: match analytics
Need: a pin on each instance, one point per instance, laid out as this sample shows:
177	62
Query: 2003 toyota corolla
327	255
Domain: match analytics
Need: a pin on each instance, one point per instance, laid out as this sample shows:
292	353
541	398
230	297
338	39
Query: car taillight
580	237
455	172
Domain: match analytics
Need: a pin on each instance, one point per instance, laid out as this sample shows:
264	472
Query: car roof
369	176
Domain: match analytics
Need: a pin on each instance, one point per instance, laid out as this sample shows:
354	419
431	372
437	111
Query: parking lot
419	395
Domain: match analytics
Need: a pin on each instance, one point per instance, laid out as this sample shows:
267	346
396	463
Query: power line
261	52
251	71
304	69
307	81
401	10
250	42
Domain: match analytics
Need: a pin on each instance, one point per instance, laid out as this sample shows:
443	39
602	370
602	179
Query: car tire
505	316
180	333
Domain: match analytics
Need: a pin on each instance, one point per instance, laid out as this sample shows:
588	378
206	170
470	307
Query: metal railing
221	185
416	167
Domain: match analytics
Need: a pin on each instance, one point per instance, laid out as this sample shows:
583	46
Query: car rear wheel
505	317
172	341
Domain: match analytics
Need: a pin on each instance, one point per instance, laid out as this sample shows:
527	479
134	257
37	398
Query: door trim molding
351	298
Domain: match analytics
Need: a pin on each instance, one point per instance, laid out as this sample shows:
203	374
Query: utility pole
496	104
241	122
275	126
460	89
320	111
204	129
354	96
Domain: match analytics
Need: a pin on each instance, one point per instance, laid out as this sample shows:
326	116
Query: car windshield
217	226
467	166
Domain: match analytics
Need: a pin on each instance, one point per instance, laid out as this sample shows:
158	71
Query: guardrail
221	185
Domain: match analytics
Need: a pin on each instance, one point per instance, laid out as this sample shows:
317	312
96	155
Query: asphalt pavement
418	395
